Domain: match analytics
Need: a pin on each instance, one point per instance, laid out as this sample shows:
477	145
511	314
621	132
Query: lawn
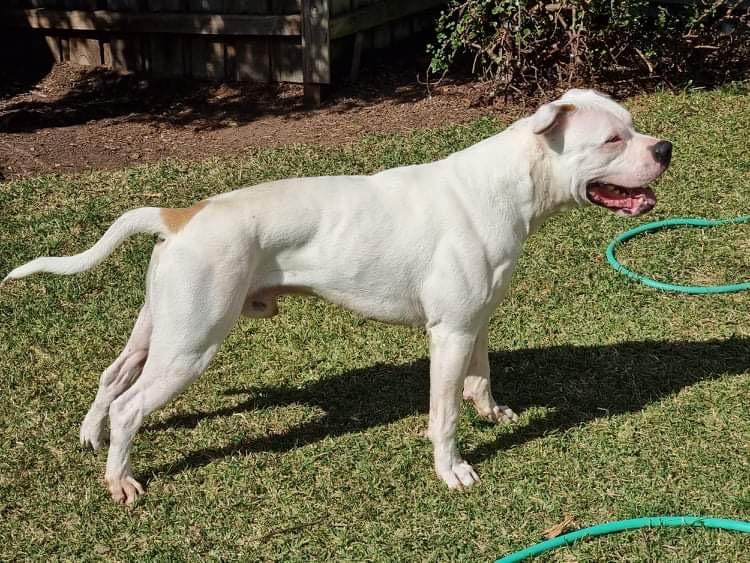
303	439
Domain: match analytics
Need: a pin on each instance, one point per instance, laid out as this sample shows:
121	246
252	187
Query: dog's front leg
450	353
477	387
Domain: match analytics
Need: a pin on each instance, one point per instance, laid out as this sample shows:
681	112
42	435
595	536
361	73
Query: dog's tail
142	220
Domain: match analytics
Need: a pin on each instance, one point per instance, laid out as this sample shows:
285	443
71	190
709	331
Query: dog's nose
662	152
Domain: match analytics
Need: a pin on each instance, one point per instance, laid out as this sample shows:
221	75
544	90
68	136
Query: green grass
302	440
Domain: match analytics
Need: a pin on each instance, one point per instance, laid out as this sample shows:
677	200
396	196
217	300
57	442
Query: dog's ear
549	116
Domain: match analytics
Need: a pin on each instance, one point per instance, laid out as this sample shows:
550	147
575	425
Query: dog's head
599	157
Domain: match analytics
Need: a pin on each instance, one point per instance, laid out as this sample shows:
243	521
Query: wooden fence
246	40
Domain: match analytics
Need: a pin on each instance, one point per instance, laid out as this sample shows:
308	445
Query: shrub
519	43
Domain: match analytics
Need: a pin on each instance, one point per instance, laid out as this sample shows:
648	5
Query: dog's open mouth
623	201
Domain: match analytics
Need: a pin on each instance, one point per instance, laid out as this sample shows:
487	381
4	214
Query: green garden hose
650	521
657	225
623	525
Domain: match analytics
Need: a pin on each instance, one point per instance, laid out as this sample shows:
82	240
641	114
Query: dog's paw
460	475
500	414
124	490
93	433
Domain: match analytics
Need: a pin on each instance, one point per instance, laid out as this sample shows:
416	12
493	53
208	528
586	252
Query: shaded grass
302	440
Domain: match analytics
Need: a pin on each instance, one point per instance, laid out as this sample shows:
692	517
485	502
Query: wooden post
316	55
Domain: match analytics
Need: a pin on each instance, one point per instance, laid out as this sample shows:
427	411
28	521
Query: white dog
432	245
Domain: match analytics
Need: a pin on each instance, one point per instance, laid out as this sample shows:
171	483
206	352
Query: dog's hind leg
192	314
170	368
116	379
477	386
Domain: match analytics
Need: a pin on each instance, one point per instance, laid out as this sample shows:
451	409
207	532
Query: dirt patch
77	119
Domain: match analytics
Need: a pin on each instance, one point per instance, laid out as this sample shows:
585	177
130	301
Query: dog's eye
614	139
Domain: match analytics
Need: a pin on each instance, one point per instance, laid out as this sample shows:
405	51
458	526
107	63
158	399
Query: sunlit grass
303	439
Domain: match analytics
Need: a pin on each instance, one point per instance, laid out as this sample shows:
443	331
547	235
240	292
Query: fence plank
84	51
339	7
381	36
165	5
123	5
167	56
359	43
207	58
123	53
49	4
253	60
202	24
286	61
401	29
209	6
376	15
247	6
286	6
55	47
422	22
79	4
64	49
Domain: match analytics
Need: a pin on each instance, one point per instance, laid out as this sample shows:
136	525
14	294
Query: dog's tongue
632	201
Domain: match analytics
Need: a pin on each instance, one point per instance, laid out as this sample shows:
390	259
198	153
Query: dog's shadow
578	383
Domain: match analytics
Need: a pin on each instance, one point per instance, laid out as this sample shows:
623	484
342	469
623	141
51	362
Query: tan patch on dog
175	218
